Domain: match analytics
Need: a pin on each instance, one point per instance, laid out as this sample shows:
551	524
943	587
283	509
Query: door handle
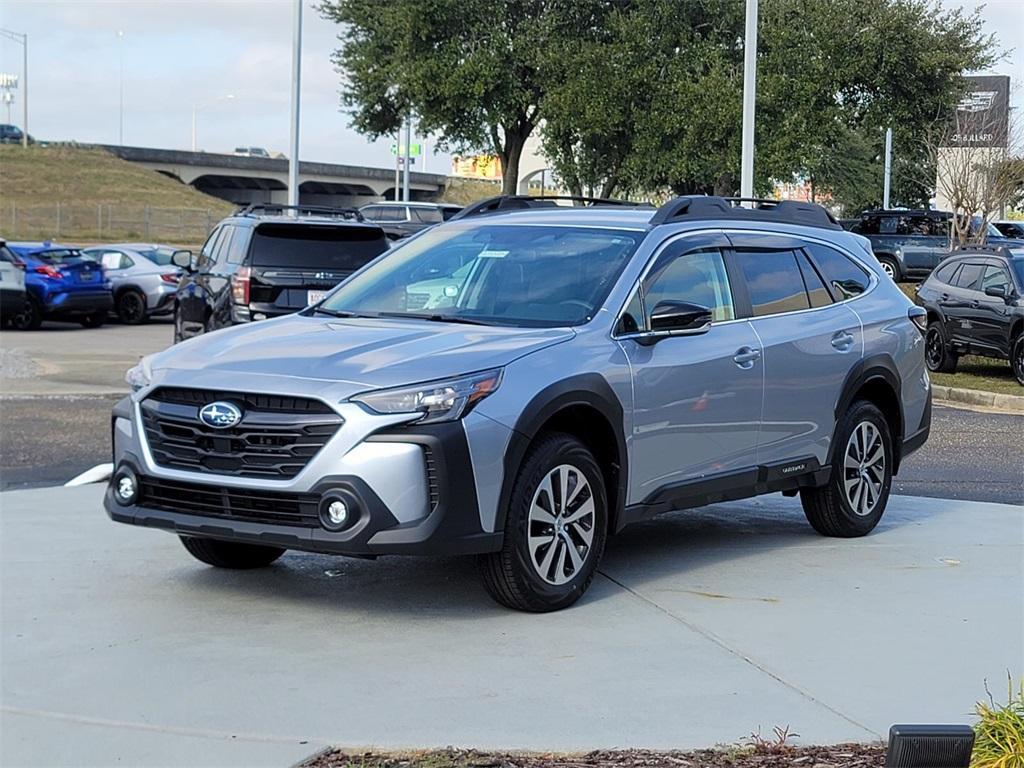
842	341
745	357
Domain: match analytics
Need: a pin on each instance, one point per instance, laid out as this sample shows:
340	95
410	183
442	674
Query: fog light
337	512
126	487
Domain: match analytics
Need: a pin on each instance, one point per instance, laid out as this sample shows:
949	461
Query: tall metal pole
24	91
195	109
120	86
293	161
408	157
398	164
749	95
888	168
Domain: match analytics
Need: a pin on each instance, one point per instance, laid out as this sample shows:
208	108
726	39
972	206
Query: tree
475	72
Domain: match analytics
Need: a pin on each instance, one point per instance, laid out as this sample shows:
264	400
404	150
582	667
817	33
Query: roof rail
256	209
780	211
986	248
524	202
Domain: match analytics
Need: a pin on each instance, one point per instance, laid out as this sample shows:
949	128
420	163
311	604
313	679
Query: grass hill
78	193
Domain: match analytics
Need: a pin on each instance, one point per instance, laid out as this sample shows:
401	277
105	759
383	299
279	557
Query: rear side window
385	213
969	276
773	281
944	274
345	249
844	277
238	246
426	215
6	255
816	290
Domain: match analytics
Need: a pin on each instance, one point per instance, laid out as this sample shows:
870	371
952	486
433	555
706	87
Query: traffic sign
414	150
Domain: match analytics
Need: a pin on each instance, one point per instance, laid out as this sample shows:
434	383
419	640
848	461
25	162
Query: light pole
22	39
195	111
887	184
120	88
408	157
749	95
293	160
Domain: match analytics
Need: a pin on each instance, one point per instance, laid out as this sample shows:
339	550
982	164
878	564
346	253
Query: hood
366	353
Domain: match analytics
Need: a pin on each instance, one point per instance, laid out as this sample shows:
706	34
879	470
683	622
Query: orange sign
477	167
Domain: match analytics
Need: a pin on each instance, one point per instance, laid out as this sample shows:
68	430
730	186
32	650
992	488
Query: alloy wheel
933	348
864	468
131	308
561	524
888	268
1017	361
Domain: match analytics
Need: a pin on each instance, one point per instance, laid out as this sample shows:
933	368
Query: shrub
999	733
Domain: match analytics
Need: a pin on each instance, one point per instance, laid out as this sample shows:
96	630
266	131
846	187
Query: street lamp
204	105
749	95
293	161
22	39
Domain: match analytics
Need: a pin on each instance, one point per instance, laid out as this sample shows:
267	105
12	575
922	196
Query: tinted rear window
969	275
843	276
774	282
316	247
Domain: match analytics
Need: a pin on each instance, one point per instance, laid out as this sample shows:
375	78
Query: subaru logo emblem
220	415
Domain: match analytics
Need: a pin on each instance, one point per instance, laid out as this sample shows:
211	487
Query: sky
181	53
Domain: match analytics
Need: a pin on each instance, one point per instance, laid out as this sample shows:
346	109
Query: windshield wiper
440	318
336	312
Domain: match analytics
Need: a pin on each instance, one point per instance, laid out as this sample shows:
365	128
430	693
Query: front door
696	399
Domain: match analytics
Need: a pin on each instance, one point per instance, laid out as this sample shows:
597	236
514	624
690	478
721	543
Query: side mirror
680	318
184	260
998	291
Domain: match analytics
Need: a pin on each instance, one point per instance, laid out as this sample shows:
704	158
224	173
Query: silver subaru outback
529	378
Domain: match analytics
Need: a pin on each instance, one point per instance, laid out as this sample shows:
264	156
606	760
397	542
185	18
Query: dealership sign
982	113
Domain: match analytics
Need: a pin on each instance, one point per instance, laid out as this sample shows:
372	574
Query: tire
94	319
937	355
131	307
547	577
29	318
891	267
1017	359
853	500
230	554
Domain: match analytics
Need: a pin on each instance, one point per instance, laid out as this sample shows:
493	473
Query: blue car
61	283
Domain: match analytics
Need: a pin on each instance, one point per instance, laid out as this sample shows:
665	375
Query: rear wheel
131	307
937	355
555	529
30	317
230	554
853	500
890	266
1017	359
94	319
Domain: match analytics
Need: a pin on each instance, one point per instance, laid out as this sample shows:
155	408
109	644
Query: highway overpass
263	179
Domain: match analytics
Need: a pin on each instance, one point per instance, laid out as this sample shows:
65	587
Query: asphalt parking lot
702	627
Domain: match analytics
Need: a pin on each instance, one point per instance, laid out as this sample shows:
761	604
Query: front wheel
1017	359
230	554
853	500
555	529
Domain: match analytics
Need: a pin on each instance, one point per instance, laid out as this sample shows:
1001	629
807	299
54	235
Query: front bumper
447	522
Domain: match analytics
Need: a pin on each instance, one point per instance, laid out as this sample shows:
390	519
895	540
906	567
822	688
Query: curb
1003	403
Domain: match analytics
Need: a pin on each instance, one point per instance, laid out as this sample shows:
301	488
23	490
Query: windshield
531	276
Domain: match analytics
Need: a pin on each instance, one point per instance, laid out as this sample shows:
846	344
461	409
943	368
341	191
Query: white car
12	283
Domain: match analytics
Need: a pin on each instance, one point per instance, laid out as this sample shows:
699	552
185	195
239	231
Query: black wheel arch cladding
584	391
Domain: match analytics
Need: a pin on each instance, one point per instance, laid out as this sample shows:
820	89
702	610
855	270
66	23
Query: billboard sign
477	167
982	114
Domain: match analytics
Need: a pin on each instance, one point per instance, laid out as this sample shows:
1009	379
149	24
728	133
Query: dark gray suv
527	379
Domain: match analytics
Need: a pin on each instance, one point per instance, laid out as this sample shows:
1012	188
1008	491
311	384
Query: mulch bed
756	756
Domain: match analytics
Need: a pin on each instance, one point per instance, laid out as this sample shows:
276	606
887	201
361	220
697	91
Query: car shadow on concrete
666	547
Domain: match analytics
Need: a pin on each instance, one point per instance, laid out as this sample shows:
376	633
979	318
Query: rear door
12	278
959	303
992	319
295	265
195	301
795	294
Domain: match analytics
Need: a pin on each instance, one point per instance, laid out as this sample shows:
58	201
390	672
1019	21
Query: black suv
975	306
270	260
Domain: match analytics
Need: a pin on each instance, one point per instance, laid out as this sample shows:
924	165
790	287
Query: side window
426	215
944	274
969	276
995	277
889	225
632	319
239	245
126	261
773	281
698	277
816	290
206	255
842	275
866	226
110	260
390	213
220	249
371	212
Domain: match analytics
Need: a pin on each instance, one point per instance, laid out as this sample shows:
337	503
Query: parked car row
909	244
264	261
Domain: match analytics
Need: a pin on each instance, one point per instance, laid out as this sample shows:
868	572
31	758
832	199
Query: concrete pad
704	626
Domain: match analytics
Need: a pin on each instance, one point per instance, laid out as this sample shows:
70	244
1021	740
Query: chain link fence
106	223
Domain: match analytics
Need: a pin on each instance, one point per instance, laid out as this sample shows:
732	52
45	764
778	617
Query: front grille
275	439
292	509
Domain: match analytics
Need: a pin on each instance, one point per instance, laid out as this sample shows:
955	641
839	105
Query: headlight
445	400
139	376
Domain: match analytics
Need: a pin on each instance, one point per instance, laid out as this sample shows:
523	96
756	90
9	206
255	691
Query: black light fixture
929	746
